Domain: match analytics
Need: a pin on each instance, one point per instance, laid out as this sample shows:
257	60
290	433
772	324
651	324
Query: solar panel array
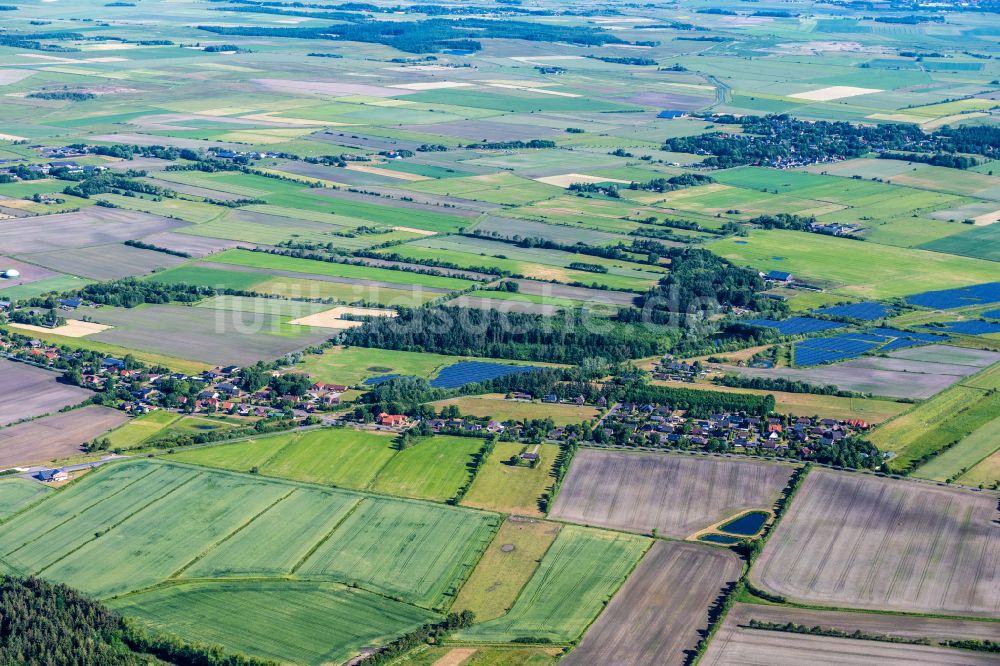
977	294
795	325
866	311
969	327
857	343
828	350
467	372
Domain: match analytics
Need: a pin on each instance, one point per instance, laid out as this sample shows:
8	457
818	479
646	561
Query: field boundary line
533	572
75	515
130	515
614	593
326	537
229	536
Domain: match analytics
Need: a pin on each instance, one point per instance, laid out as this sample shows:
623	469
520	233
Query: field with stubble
874	543
675	495
658	615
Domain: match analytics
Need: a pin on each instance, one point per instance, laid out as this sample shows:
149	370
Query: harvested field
737	645
498	408
27	391
833	92
57	436
73	328
91	226
566	179
658	615
105	262
333	318
675	495
867	542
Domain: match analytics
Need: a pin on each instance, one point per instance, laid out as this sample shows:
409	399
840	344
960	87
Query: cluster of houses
48	167
218	390
658	425
669	369
836	228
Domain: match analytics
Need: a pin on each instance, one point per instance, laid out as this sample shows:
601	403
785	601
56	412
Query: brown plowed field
750	647
657	616
675	495
868	542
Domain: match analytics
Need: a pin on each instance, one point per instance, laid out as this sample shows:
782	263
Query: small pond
719	538
748	524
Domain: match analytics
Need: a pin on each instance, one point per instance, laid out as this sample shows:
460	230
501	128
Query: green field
408	550
498	408
17	493
303	622
289	287
433	468
498	578
987	473
950	416
507	488
854	268
578	575
972	448
266	261
279	539
209	277
141	428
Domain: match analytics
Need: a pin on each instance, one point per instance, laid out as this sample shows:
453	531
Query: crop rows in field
297	621
875	543
737	644
578	574
659	614
674	495
149	521
434	468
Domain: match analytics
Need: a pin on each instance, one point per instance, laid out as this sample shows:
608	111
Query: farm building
779	276
12	273
391	420
51	475
670	114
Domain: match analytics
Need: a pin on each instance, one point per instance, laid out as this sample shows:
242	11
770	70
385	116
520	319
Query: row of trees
513	335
